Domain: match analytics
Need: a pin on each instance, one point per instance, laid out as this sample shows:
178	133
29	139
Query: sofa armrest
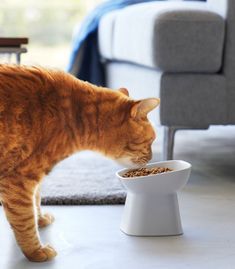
188	41
171	36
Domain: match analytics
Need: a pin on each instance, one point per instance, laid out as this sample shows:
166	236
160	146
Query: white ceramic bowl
151	207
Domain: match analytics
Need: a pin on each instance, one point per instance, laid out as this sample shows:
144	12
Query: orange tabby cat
48	115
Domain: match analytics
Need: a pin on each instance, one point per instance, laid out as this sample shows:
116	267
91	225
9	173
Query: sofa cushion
106	29
171	36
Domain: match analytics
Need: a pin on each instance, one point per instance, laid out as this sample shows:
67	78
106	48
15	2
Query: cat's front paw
43	254
45	220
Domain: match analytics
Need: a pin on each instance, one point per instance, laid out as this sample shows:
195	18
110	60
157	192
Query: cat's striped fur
48	115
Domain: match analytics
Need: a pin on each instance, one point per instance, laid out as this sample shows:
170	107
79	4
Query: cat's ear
124	91
143	107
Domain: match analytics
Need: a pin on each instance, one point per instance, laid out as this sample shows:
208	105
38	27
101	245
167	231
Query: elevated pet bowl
151	207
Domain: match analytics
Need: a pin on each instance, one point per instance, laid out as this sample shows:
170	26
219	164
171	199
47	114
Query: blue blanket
85	59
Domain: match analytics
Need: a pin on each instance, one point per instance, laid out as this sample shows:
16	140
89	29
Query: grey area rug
84	178
89	178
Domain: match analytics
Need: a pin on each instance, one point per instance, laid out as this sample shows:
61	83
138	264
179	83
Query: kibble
146	172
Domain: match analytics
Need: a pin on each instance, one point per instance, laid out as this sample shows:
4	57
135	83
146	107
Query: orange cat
48	115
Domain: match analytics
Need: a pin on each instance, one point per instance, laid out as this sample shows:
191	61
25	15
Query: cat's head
134	137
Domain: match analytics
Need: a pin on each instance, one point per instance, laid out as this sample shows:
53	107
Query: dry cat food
146	172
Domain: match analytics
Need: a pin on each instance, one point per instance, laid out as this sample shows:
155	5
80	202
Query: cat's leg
43	219
19	205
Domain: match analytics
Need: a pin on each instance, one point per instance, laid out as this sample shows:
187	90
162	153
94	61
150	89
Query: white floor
88	237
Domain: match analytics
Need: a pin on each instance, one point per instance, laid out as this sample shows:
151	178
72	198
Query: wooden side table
11	45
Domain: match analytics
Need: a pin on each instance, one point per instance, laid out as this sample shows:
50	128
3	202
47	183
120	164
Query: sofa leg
169	138
168	143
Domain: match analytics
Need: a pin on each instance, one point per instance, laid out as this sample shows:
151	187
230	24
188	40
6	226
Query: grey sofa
183	52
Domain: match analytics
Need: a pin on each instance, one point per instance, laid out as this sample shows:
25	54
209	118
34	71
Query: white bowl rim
188	166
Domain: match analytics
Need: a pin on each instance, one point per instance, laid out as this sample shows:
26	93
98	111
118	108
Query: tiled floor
88	237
